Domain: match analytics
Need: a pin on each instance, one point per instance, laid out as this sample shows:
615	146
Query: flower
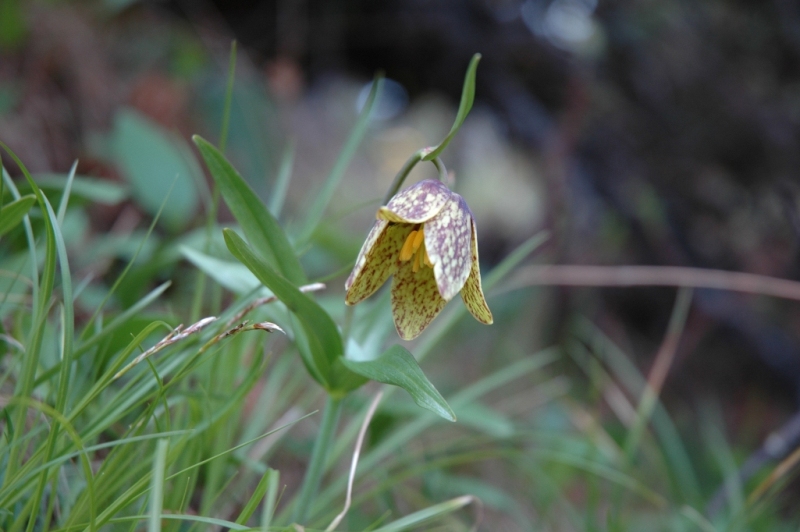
425	236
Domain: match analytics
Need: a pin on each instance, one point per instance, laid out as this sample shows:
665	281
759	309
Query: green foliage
116	417
464	107
397	366
157	165
13	213
258	225
320	344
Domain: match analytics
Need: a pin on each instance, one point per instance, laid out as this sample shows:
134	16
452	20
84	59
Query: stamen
419	238
408	248
414	248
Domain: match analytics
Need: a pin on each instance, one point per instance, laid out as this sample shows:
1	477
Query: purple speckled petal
415	300
447	240
472	293
416	204
377	260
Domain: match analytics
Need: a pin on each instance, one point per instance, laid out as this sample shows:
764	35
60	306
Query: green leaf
281	186
43	293
420	517
252	504
231	275
14	212
261	228
467	98
152	160
398	367
90	189
321	344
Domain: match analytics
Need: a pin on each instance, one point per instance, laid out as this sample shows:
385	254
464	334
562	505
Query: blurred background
661	132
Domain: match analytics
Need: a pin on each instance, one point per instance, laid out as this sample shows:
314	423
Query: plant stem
406	169
316	467
402	174
442	170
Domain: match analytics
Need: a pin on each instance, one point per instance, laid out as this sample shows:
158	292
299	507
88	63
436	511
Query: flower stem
402	174
330	418
437	162
406	169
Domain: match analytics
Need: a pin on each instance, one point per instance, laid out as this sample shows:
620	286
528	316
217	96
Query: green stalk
402	174
442	170
330	419
406	169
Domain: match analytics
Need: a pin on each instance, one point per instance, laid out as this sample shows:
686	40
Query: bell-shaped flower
425	236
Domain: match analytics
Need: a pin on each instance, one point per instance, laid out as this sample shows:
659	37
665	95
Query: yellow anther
419	238
408	248
414	248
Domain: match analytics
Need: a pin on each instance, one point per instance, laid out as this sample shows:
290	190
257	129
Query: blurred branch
576	275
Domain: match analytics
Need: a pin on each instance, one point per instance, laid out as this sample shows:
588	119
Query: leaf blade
398	367
14	212
323	342
152	158
261	228
464	107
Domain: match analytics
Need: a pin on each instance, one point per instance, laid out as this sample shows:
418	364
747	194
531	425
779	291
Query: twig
577	275
359	442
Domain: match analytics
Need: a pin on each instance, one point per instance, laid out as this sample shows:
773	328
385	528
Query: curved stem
437	162
406	169
316	467
402	174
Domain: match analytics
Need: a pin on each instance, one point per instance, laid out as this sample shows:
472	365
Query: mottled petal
416	204
472	293
447	240
415	300
377	260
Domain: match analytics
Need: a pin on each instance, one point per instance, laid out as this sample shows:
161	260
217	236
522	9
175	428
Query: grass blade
317	211
428	514
271	499
13	213
157	487
278	196
30	362
62	206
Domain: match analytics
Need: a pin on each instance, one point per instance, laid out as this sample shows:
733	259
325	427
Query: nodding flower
425	237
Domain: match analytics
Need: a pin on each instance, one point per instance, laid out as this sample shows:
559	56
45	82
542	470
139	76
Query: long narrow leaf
30	362
281	186
321	337
261	228
14	212
467	98
157	487
62	205
425	515
67	333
